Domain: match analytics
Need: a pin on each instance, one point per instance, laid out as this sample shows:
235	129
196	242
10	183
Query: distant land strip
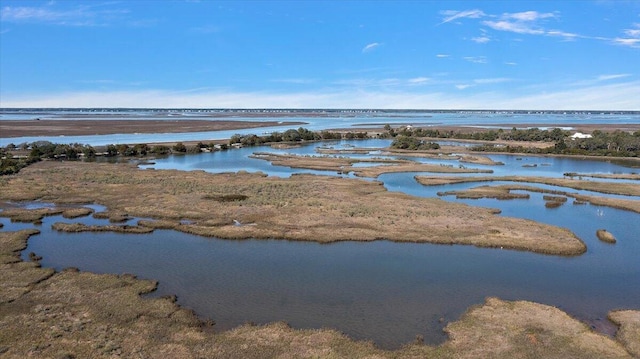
46	127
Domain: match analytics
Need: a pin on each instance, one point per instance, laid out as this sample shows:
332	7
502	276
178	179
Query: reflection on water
383	291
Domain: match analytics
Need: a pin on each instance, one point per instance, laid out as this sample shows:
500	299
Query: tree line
616	143
293	135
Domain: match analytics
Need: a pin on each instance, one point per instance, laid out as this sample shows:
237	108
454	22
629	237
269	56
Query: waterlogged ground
383	291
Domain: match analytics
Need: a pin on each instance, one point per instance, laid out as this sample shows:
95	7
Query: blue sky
321	54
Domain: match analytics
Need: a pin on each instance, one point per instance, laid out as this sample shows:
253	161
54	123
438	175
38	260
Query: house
580	135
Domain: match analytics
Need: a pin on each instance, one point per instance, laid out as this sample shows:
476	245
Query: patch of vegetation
292	135
226	197
403	142
605	236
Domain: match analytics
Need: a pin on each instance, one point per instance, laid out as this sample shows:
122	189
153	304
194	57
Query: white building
580	135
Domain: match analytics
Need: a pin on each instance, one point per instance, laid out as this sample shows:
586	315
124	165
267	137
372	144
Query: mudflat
74	127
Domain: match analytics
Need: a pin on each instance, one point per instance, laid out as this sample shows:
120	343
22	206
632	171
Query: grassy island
304	207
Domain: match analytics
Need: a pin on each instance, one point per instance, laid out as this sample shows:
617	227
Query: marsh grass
112	216
625	189
303	207
605	236
553	204
226	197
554	201
345	165
629	332
490	191
80	227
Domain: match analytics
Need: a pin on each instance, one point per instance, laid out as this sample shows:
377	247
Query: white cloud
476	59
627	42
419	80
514	26
463	86
481	39
442	56
451	15
632	38
371	46
510	63
612	77
83	15
528	15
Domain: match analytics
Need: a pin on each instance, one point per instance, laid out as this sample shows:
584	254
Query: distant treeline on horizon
319	110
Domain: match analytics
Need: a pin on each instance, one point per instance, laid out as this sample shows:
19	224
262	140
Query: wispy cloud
494	80
371	46
481	39
526	22
82	15
631	37
476	59
480	82
612	77
519	27
528	15
536	23
419	80
442	56
451	15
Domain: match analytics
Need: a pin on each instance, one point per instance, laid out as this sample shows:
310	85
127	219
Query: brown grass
625	189
480	160
304	207
71	127
79	227
502	191
605	236
629	332
539	331
345	165
625	176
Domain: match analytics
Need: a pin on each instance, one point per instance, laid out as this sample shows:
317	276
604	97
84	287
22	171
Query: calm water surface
383	291
355	121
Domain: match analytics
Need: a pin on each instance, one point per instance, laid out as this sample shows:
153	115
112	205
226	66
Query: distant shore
89	127
46	127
